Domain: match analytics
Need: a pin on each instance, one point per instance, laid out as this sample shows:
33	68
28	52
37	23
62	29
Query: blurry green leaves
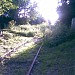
6	5
4	0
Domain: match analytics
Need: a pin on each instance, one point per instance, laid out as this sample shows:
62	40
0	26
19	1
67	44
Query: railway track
33	62
3	57
13	50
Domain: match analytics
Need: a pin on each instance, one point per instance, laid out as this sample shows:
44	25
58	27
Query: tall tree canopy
22	11
66	11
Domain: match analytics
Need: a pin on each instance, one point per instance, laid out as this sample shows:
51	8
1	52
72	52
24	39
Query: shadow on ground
19	64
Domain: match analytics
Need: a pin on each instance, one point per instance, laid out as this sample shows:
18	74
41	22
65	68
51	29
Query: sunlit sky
47	8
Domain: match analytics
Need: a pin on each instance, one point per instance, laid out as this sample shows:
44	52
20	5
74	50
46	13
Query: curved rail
32	64
10	51
2	58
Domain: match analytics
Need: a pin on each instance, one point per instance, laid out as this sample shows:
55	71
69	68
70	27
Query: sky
47	8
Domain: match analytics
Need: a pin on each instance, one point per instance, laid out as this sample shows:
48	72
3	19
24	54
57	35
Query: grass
59	60
19	34
19	64
27	30
55	60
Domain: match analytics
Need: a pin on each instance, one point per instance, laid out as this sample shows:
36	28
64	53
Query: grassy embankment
19	34
20	61
57	60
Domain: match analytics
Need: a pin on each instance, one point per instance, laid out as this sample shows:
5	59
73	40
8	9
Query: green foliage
11	24
1	41
30	34
57	60
66	11
6	5
29	13
21	2
60	34
33	13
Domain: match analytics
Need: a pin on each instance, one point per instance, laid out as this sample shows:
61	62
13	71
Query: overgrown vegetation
57	55
19	34
20	62
59	34
58	60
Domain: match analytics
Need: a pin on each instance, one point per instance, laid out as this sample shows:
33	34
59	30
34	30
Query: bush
1	41
30	34
60	34
11	24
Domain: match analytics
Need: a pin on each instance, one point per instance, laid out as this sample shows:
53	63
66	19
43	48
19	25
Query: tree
6	5
26	11
20	10
66	11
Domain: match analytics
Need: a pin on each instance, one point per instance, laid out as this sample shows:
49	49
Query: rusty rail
14	49
10	51
32	64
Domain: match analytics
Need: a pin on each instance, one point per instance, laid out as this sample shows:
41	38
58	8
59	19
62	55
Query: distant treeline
4	21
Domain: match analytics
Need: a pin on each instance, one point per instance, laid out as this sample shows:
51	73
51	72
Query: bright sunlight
47	8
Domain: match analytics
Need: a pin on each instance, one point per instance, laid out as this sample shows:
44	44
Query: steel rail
32	64
10	51
14	49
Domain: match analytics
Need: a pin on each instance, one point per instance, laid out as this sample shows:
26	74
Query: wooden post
73	25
